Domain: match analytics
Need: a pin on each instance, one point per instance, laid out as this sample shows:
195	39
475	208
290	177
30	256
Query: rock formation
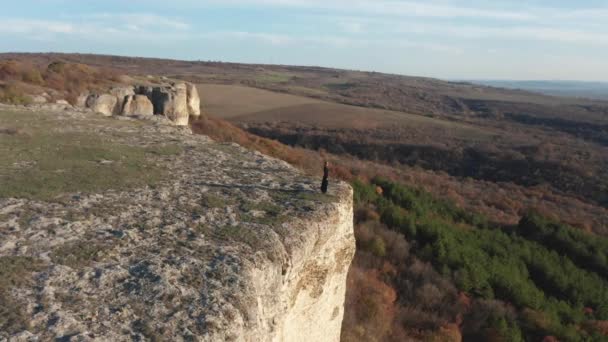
104	104
137	105
172	102
176	101
194	101
121	94
39	99
81	101
226	244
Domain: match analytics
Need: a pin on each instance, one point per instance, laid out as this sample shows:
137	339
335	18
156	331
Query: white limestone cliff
230	245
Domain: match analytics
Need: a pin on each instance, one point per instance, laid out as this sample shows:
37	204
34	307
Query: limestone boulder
144	90
121	94
194	101
137	105
39	99
104	104
90	101
172	102
81	101
180	113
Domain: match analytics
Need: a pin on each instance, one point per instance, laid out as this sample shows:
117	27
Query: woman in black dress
325	182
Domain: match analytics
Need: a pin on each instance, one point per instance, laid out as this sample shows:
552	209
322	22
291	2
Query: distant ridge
584	89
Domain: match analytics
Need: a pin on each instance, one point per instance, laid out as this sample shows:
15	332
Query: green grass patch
40	161
315	197
273	78
307	91
15	271
78	254
301	196
234	233
272	213
339	86
215	201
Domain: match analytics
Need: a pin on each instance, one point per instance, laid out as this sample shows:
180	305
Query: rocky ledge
177	101
174	237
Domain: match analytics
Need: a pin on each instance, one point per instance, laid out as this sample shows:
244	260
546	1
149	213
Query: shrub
32	76
12	94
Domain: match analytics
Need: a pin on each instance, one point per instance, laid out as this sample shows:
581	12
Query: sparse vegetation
210	200
11	94
43	161
339	86
67	80
79	254
242	234
273	78
15	271
266	213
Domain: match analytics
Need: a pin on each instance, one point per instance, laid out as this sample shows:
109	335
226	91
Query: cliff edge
118	229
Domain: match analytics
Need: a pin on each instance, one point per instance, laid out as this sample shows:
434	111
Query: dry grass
15	271
44	160
61	79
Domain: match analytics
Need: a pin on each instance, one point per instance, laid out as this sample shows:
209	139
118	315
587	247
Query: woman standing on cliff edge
325	181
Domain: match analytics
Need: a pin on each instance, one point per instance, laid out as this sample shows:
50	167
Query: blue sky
450	39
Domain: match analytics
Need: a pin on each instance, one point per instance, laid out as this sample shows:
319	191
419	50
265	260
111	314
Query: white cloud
26	26
519	33
102	27
442	30
139	20
328	41
387	7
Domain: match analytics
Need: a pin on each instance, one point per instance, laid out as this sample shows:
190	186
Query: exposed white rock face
39	99
178	111
104	104
231	246
172	102
194	101
137	105
121	94
81	101
176	101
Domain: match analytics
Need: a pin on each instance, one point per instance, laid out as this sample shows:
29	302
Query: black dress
325	182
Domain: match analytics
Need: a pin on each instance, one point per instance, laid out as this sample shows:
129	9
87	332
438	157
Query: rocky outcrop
172	102
39	99
176	101
121	94
81	101
137	105
194	101
104	104
225	245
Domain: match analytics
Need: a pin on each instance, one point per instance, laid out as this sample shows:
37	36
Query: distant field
241	104
228	101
